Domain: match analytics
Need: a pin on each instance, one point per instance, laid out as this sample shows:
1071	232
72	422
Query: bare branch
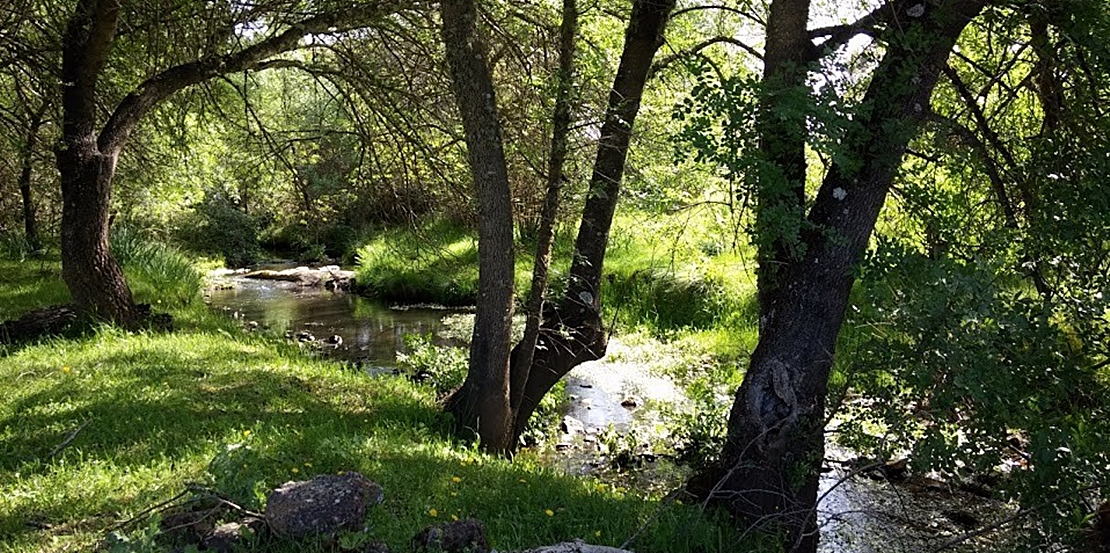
663	63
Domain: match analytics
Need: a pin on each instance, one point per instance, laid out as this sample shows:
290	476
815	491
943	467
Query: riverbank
97	429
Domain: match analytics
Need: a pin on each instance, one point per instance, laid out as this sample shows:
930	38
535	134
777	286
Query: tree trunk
524	352
93	276
482	404
574	333
87	157
769	468
781	178
27	163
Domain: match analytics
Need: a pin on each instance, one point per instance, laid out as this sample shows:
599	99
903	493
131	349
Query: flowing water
614	397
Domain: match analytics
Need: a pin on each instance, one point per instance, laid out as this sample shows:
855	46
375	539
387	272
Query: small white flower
839	193
917	10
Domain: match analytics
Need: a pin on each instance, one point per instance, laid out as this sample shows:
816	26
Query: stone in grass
576	546
321	506
464	536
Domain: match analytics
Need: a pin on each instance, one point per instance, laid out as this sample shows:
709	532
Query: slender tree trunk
769	468
27	163
574	333
482	404
781	127
545	239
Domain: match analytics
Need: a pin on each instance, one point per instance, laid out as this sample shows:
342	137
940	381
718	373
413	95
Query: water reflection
371	332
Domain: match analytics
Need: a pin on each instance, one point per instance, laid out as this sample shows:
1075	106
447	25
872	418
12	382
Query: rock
631	402
330	277
305	336
334	340
571	425
323	505
464	536
576	546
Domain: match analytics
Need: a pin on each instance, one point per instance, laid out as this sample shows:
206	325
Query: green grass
242	413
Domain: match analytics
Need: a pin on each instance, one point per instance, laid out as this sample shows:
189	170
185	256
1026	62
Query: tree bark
524	352
781	177
769	468
27	164
574	333
482	404
93	276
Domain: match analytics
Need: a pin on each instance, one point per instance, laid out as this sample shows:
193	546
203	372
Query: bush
219	226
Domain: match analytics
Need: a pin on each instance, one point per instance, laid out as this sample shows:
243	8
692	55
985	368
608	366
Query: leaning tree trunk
482	404
524	352
574	334
769	468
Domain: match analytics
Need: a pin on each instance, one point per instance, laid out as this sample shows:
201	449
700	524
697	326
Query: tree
573	333
768	471
483	401
88	151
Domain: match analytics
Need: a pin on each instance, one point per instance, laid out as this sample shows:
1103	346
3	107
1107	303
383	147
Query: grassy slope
239	413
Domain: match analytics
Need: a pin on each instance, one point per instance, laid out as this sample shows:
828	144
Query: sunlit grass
93	430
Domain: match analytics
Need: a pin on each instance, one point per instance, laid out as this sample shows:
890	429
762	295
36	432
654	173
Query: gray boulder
321	506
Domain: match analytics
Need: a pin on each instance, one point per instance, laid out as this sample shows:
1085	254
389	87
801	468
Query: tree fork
574	333
768	471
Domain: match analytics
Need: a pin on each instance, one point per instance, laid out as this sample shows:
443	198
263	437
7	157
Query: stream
613	397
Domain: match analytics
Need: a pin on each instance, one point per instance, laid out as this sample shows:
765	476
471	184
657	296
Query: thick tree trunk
482	404
768	473
27	163
574	333
93	276
525	351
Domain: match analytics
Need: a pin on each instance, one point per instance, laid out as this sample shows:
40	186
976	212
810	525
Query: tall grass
157	272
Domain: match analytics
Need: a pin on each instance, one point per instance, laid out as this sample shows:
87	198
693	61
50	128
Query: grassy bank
96	429
670	275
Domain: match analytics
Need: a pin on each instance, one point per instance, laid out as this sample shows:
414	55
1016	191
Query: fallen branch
69	439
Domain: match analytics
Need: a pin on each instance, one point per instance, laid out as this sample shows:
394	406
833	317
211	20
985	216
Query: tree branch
161	86
664	62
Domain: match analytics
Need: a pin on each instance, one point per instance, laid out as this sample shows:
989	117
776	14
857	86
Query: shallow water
372	333
617	395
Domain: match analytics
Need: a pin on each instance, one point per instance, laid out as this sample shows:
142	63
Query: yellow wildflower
549	512
433	512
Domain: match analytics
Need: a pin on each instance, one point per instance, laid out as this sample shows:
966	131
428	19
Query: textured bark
769	468
524	352
482	404
93	276
573	334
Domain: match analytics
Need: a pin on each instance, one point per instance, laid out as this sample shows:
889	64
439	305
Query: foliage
444	367
221	226
974	376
